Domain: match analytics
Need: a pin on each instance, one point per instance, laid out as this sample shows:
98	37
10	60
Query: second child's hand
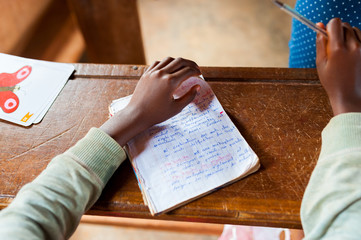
339	65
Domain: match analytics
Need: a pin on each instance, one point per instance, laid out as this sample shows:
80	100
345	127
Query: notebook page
191	154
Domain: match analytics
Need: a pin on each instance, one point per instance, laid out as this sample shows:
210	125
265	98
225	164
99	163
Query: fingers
357	33
183	74
170	65
341	34
350	37
152	66
163	63
321	47
175	70
187	98
178	69
178	64
335	32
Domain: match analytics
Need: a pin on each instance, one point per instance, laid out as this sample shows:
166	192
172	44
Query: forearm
331	206
124	125
50	207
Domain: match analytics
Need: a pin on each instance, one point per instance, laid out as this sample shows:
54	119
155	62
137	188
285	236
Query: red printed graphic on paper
9	101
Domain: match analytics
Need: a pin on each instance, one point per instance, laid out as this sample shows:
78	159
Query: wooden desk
280	112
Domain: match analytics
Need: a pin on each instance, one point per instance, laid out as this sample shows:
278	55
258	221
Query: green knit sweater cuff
100	153
343	133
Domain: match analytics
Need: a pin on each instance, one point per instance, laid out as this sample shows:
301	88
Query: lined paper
191	154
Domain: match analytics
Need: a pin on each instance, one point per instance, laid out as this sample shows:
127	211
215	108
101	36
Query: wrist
124	125
348	105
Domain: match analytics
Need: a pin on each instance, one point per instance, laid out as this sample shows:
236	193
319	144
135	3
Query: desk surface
280	112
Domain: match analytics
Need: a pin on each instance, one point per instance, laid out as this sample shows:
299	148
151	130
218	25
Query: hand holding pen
338	61
339	65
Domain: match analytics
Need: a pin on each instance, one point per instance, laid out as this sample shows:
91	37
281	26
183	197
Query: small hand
153	95
152	101
339	65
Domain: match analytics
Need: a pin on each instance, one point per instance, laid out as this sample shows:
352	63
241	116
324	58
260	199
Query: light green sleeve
331	206
51	206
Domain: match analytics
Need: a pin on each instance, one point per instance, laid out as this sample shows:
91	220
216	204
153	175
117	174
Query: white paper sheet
40	84
191	154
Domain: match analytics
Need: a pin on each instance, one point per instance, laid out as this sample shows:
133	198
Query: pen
299	17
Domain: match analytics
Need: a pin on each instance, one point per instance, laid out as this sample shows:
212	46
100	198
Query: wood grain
280	112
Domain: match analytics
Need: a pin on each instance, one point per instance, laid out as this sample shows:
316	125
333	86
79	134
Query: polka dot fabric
302	44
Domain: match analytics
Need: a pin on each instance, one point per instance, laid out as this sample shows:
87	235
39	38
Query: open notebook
192	154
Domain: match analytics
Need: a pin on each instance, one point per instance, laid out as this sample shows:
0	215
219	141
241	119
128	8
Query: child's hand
152	101
153	96
339	65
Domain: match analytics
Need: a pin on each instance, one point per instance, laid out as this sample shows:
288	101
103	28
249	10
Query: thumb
187	98
321	47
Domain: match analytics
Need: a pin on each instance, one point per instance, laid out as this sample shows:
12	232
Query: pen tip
278	3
